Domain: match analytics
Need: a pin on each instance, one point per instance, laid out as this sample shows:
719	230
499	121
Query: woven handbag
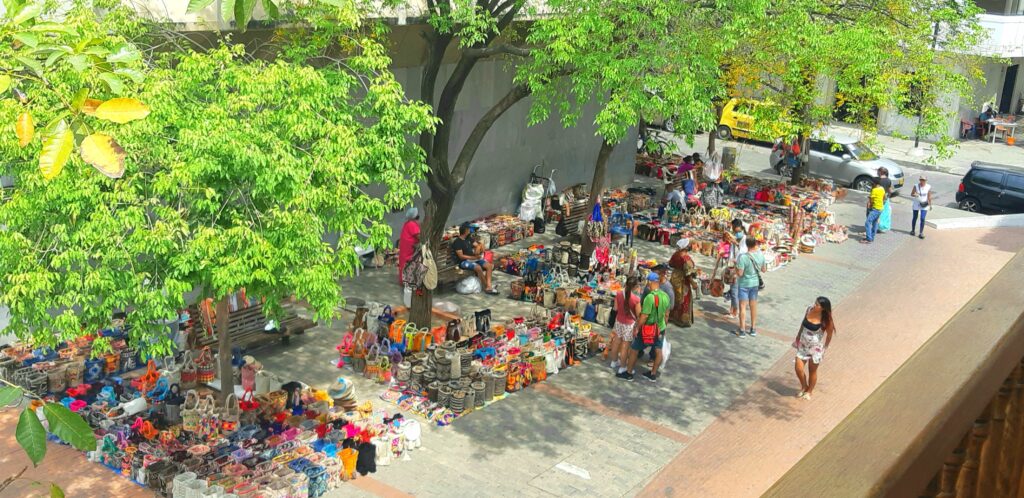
205	368
189	372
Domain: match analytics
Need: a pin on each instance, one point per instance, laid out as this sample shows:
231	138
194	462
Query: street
753	157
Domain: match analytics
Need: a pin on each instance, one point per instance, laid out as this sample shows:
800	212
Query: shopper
876	201
813	338
649	330
748	271
627	309
683	273
470	257
885	218
408	239
922	197
737	238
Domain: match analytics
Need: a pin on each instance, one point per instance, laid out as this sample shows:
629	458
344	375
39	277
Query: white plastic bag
468	285
666	349
529	210
533	192
407	296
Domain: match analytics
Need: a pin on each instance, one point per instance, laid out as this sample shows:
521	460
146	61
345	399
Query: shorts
624	331
471	265
638	342
748	293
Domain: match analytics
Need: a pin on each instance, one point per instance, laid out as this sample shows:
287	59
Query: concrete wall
502	165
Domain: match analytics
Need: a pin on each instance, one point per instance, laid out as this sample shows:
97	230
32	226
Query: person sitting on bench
469	254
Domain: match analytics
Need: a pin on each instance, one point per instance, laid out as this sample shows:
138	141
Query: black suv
992	187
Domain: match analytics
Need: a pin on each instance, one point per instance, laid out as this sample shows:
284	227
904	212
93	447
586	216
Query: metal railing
948	423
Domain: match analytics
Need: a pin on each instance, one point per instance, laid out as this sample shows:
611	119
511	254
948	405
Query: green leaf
31	435
31	64
26	38
243	13
227	9
5	83
79	100
8	395
52	27
27	12
79	62
197	5
124	53
52	59
114	83
133	74
70	427
271	9
55	491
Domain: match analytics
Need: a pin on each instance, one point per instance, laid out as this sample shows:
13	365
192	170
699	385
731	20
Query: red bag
649	331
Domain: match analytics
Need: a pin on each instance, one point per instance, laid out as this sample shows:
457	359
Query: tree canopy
232	181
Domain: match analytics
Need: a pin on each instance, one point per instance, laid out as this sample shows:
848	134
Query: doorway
1006	98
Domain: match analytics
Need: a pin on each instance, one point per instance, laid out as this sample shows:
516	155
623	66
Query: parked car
738	120
992	187
842	159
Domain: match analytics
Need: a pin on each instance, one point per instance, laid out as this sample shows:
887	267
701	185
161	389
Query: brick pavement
722	420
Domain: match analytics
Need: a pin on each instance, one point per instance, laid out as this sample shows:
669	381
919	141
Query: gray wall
506	157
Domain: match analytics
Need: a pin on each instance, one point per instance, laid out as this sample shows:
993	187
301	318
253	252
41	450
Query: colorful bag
205	368
189	373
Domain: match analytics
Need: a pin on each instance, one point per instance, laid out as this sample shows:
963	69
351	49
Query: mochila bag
384	320
205	368
482	320
189	373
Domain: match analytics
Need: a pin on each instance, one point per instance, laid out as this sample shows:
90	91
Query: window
987	178
861	152
1015	183
827	148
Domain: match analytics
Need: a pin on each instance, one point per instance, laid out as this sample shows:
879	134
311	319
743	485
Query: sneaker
615	365
913	233
921	236
651	377
739	333
752	333
624	376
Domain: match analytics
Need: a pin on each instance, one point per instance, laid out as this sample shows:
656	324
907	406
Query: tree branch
437	44
504	48
476	137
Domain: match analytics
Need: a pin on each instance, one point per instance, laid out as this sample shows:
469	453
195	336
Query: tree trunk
596	187
436	211
227	378
713	134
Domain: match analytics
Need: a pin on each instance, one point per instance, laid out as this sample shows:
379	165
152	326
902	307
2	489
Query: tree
637	59
878	54
231	182
478	30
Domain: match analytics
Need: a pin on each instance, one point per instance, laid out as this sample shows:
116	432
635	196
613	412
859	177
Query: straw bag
430	277
230	414
372	362
189	373
171	371
716	287
190	416
205	368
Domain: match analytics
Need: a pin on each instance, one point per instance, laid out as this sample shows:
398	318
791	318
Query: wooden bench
246	327
447	270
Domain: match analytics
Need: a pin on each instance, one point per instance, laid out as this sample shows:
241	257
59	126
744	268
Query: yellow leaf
89	106
25	129
104	154
56	150
122	110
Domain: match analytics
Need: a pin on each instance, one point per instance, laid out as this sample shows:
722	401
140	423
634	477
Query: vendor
985	118
469	254
690	192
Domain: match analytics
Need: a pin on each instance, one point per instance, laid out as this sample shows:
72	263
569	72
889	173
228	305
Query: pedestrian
649	329
885	218
627	309
737	238
876	201
922	196
748	271
813	338
683	272
408	239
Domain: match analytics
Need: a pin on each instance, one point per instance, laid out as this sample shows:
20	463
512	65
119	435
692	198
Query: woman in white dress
921	194
816	331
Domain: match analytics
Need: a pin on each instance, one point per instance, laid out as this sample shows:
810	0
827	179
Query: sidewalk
968	151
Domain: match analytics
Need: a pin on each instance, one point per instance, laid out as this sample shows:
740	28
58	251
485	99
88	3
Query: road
753	157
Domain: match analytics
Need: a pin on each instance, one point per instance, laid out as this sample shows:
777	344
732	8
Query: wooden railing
948	423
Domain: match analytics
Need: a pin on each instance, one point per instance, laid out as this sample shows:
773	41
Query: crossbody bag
760	281
649	331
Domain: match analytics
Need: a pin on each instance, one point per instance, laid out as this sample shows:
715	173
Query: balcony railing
948	423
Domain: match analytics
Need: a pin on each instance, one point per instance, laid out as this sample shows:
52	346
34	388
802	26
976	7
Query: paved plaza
721	421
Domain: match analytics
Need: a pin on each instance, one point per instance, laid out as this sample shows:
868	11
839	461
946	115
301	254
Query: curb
949	170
